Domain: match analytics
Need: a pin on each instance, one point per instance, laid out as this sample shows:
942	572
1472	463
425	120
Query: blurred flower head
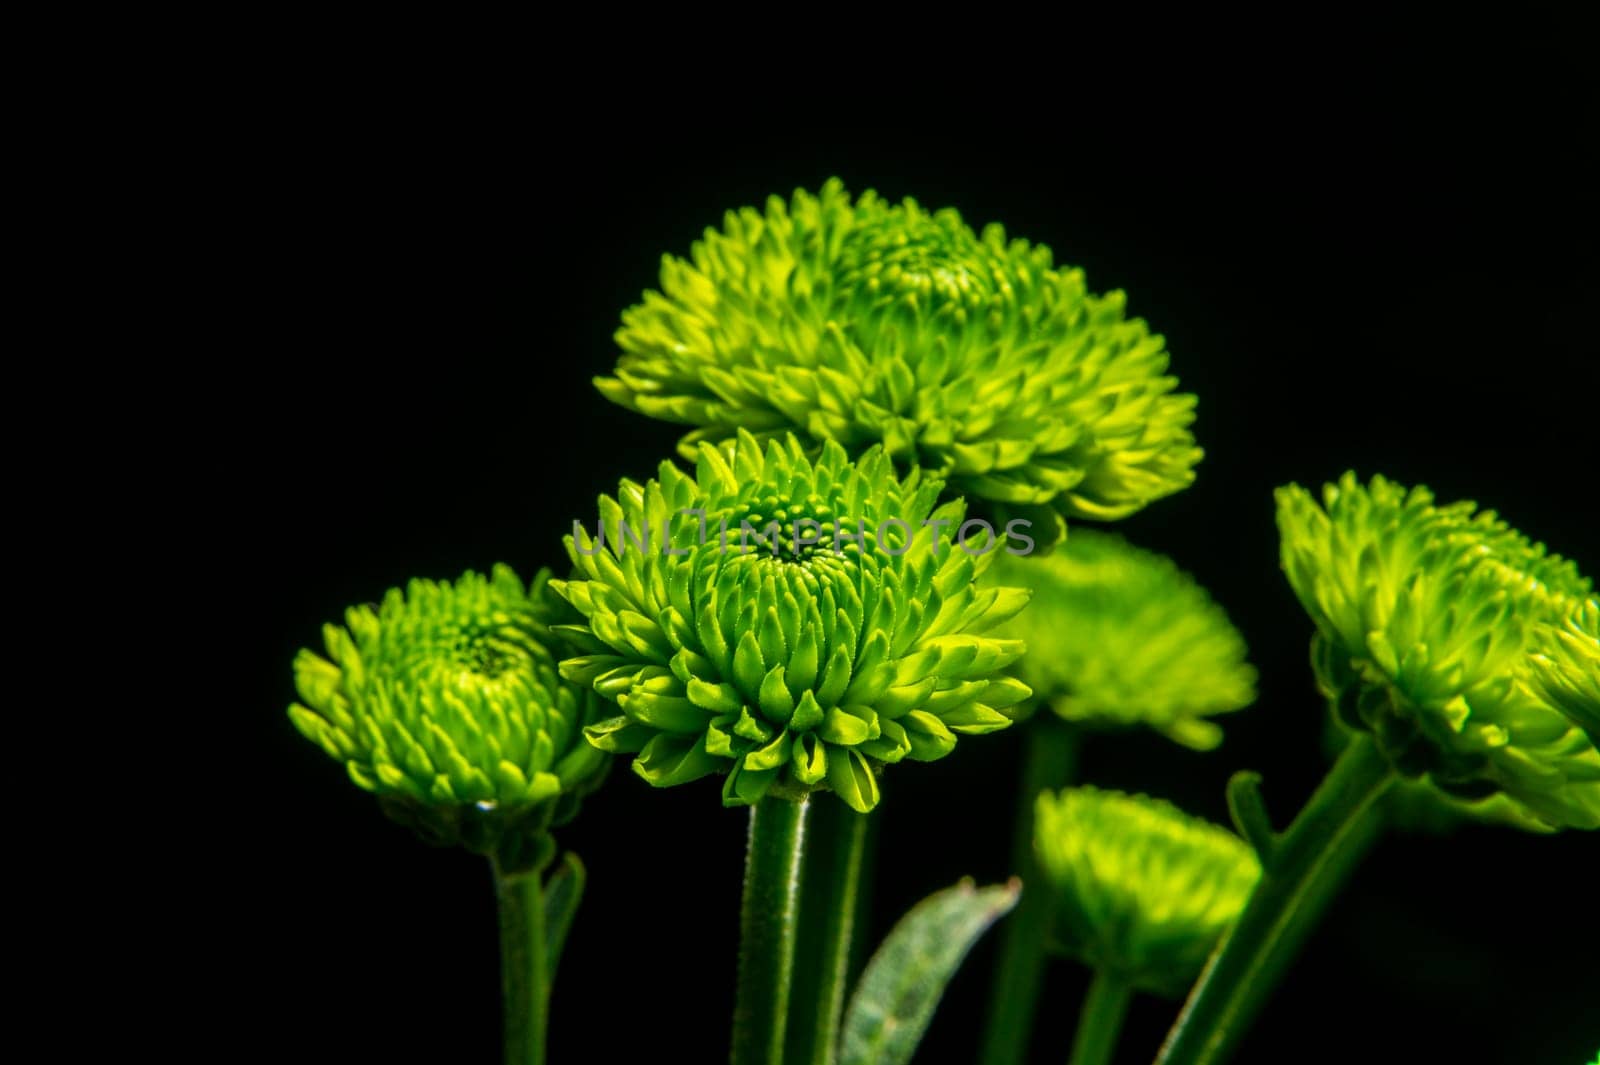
1141	889
1120	636
792	624
865	322
445	702
1426	619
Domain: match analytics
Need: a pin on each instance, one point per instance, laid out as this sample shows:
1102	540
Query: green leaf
562	893
905	979
1249	812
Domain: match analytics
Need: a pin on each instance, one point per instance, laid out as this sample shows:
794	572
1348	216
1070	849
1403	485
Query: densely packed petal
792	623
445	701
1428	617
865	322
1120	636
1141	889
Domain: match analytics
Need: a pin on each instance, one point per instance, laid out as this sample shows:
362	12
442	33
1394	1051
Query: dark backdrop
1375	271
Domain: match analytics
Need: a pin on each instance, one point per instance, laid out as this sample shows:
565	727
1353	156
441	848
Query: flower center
808	535
488	648
475	650
934	264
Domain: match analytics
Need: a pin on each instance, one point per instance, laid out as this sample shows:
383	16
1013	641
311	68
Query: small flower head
1141	889
1119	636
868	323
1566	670
1426	618
445	701
792	624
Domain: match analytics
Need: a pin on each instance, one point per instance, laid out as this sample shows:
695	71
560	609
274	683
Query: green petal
775	701
748	669
664	712
746	787
930	739
718	698
808	715
842	728
975	719
851	778
772	756
618	735
810	757
668	760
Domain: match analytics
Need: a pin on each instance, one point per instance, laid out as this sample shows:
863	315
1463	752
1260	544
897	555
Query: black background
1355	265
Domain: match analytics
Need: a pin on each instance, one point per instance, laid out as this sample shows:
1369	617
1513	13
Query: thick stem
1048	761
1236	980
767	919
1100	1022
829	909
524	978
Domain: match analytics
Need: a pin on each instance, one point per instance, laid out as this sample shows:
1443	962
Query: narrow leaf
562	893
905	979
1249	812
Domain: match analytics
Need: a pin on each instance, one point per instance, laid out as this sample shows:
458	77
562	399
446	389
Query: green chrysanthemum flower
1567	669
445	702
874	323
1142	890
1426	616
791	664
1121	636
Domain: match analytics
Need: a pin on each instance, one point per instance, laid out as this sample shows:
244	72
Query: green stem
830	896
1280	910
1100	1022
1341	863
839	933
1048	762
866	880
524	979
767	919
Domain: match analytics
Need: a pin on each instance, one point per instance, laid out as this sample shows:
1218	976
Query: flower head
796	625
1426	616
1141	889
446	703
1566	671
1120	636
868	323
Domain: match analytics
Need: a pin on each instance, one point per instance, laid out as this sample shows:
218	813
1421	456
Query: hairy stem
830	906
767	919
